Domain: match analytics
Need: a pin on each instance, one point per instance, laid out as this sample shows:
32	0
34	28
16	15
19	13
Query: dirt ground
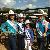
2	47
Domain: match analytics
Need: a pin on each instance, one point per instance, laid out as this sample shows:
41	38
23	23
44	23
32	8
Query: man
29	36
11	27
40	30
45	24
21	30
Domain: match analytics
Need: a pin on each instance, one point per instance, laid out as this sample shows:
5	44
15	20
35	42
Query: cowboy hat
11	12
27	21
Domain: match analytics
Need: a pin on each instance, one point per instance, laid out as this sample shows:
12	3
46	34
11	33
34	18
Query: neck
12	20
28	27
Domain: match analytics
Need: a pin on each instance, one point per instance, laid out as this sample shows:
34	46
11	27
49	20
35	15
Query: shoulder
8	21
30	30
48	24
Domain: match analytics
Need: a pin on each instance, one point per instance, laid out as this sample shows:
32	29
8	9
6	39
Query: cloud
7	3
34	0
43	3
31	6
23	4
49	3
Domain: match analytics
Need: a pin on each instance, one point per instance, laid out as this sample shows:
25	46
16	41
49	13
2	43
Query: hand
44	34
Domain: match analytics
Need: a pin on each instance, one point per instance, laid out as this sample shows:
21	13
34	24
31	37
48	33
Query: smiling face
20	19
28	25
11	17
40	17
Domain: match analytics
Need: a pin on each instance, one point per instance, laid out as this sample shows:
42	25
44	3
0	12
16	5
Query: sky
23	4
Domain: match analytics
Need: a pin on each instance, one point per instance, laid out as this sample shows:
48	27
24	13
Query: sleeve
3	27
32	35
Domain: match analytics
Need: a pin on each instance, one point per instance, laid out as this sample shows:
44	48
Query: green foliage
27	17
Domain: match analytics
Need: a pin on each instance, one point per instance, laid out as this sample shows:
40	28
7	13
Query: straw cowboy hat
27	21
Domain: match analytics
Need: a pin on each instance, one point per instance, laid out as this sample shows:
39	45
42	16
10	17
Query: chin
12	18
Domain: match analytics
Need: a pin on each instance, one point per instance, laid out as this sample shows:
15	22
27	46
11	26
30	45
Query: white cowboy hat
45	14
11	12
38	14
41	11
27	21
21	15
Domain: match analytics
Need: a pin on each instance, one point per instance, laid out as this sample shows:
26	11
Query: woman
29	37
11	26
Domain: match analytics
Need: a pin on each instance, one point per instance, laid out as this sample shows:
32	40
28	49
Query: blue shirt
29	34
8	27
40	28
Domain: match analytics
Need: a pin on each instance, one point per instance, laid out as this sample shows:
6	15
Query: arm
32	35
3	27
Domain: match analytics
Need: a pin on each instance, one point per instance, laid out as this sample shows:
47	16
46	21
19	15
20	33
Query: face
21	19
28	25
11	17
40	17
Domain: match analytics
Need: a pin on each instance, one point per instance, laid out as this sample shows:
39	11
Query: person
11	27
40	32
29	35
45	24
48	33
21	29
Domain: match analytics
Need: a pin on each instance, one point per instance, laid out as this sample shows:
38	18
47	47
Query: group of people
21	30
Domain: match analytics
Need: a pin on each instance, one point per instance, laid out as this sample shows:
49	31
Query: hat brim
12	14
38	14
28	23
